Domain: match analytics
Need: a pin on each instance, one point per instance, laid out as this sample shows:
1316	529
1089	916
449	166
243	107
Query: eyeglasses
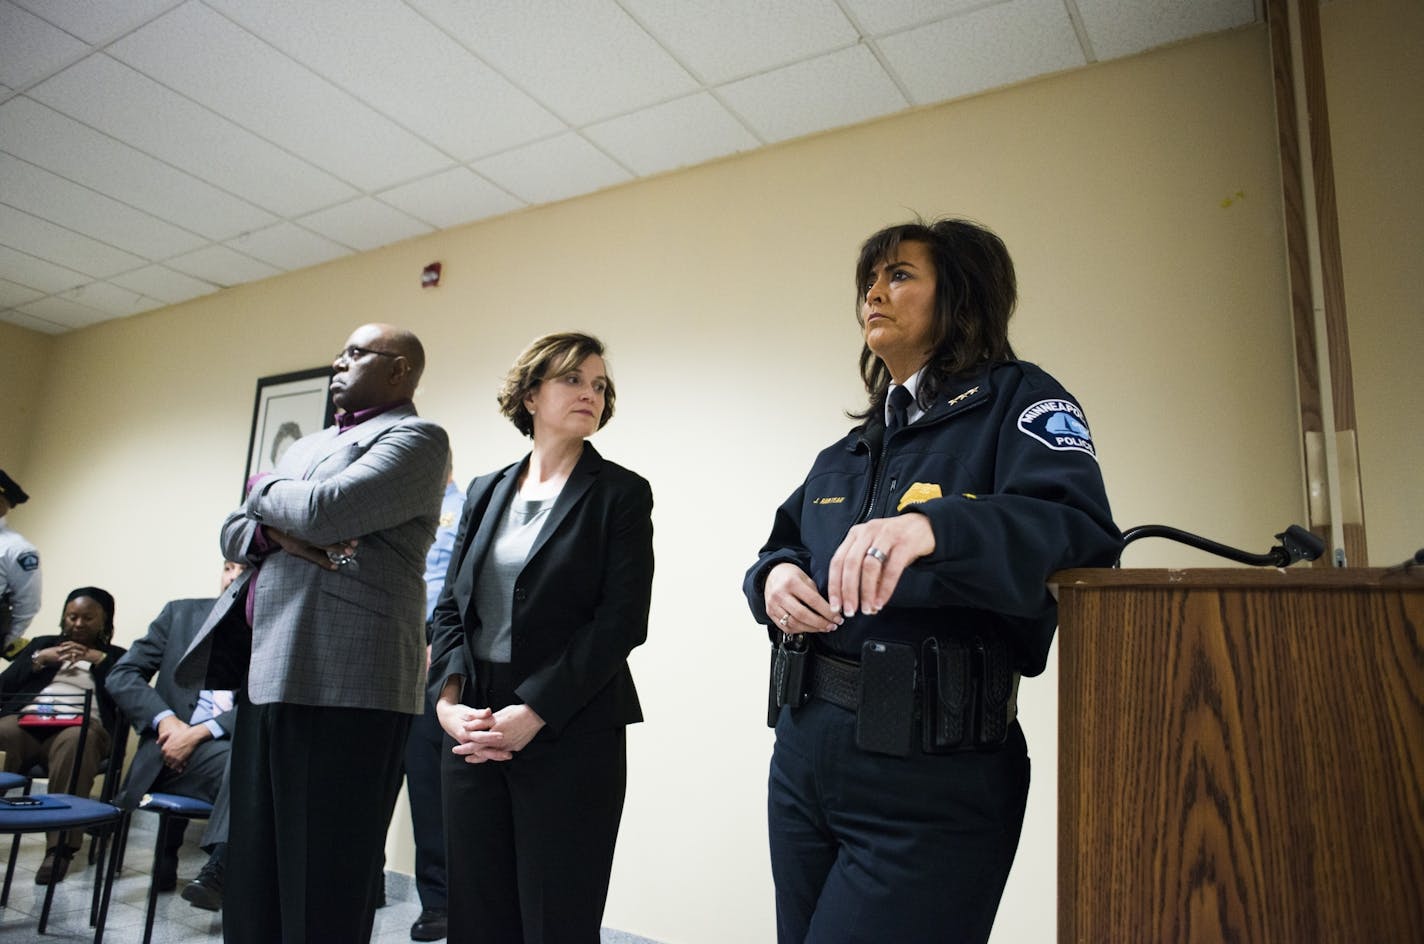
354	352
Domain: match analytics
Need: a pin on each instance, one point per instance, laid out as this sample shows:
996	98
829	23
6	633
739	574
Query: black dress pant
312	793
871	848
529	842
423	749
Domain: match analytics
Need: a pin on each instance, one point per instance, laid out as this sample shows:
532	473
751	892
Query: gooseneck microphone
1296	544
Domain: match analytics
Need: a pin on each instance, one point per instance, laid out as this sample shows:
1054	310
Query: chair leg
97	846
10	871
120	833
62	858
153	878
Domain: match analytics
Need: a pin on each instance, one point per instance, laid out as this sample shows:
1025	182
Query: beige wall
1141	201
23	358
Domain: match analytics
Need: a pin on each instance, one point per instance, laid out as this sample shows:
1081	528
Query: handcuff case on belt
787	685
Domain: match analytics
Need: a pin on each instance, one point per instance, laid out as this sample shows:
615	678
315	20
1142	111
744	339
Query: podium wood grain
1241	754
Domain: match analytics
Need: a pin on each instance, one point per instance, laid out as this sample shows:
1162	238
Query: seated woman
33	728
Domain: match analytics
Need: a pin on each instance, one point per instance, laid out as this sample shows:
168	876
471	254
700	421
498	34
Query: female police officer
904	583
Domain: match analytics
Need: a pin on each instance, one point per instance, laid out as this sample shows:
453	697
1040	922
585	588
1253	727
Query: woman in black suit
547	593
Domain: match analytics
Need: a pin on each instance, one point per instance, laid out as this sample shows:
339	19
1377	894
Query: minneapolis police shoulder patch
28	561
1058	424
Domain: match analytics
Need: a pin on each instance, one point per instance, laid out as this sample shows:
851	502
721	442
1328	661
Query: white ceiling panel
732	39
209	59
674	134
586	60
164	284
43	136
17	317
1123	27
115	99
36	273
879	17
834	90
111	299
12	294
995	46
402	65
222	266
98	21
37	237
457	196
30	48
37	191
552	170
288	246
62	311
365	223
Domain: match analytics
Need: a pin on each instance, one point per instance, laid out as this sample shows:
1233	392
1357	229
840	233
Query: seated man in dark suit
184	737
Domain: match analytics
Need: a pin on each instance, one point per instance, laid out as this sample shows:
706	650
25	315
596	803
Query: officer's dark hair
975	294
553	355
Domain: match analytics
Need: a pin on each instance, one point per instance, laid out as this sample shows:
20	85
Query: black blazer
580	603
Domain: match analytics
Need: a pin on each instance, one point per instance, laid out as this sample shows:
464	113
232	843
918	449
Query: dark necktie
899	406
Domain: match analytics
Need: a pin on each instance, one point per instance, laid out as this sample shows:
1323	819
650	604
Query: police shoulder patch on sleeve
28	561
1058	424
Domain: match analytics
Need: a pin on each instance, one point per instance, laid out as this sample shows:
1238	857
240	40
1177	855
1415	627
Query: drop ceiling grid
160	149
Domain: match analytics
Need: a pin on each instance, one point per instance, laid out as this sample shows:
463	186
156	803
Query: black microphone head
1300	544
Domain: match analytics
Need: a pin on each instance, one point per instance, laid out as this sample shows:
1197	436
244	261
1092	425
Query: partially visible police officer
19	574
904	586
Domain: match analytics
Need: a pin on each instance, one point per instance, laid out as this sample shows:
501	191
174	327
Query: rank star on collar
963	396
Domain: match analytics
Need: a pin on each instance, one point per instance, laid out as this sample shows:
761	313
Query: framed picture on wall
287	407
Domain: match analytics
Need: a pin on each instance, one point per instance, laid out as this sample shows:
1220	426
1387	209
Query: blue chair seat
58	812
9	781
174	804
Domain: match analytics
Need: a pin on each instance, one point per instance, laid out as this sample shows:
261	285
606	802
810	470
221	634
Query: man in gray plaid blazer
329	625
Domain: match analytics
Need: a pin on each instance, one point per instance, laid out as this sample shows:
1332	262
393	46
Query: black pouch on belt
885	705
787	684
996	685
949	686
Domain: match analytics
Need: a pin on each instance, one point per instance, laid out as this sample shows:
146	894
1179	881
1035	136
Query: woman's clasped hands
482	734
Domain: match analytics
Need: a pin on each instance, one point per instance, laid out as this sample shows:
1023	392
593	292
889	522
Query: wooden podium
1241	755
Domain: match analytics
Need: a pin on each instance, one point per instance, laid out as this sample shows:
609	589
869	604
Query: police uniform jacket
19	580
1003	466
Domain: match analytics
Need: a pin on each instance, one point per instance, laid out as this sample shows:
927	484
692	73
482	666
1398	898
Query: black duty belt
834	680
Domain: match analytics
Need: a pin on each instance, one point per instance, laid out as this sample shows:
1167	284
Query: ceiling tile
37	237
98	21
735	38
12	293
585	61
457	196
37	191
209	59
1123	27
43	136
38	274
111	299
30	48
365	224
222	266
985	49
675	134
288	246
878	17
551	170
834	90
115	99
17	317
401	64
63	311
164	284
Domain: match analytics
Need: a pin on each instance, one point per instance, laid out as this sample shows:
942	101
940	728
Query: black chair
169	807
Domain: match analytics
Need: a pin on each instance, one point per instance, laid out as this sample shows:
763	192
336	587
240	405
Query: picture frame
286	408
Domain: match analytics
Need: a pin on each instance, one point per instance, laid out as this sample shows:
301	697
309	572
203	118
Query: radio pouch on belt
885	706
996	685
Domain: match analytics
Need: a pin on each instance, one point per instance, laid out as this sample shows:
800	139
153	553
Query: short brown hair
553	355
